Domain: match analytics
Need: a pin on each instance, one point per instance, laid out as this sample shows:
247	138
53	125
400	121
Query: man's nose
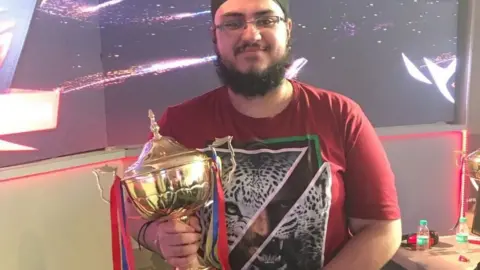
251	33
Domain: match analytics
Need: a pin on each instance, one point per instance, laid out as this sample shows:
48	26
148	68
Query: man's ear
214	35
289	27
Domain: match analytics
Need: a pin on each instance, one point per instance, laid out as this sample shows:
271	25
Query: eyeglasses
263	22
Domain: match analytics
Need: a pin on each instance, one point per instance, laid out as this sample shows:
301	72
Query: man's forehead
248	8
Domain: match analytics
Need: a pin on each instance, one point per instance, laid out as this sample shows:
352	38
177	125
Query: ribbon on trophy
216	250
122	252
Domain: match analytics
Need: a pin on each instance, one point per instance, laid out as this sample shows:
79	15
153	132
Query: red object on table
412	241
462	258
473	239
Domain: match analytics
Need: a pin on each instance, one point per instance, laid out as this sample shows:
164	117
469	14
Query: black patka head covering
215	4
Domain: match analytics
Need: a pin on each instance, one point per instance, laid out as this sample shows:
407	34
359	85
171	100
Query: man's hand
179	241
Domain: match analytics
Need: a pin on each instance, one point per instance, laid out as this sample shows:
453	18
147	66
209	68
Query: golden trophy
472	168
170	181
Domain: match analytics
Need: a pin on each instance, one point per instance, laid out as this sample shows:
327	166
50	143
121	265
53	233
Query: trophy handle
219	142
460	157
98	172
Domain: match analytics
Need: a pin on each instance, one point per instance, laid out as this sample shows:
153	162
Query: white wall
56	220
427	179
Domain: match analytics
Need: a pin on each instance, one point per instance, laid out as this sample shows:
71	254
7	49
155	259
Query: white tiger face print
257	178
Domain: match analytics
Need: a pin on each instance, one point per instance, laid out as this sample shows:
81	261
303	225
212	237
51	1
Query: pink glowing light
179	16
63	8
295	68
10	147
92	9
43	3
440	75
6	26
26	111
78	10
6	37
119	76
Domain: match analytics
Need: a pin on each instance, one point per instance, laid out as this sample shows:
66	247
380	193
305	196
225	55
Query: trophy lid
161	152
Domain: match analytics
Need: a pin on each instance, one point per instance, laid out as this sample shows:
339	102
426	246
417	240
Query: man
285	208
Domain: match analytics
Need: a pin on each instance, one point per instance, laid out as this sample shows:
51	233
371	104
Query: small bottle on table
423	236
462	236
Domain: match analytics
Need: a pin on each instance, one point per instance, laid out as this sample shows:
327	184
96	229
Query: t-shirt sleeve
370	191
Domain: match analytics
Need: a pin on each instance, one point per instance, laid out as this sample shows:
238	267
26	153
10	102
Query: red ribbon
120	238
222	225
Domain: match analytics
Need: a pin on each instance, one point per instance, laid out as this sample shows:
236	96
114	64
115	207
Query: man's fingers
188	262
176	226
181	251
181	239
179	242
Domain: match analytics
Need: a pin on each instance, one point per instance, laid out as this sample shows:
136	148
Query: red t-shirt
285	208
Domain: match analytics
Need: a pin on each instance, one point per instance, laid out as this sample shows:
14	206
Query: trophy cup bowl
473	165
168	180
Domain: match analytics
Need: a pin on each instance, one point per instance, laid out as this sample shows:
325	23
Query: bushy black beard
252	84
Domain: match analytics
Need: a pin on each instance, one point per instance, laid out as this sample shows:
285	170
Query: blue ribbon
125	265
215	210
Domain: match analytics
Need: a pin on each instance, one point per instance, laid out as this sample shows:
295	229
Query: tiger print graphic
271	223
